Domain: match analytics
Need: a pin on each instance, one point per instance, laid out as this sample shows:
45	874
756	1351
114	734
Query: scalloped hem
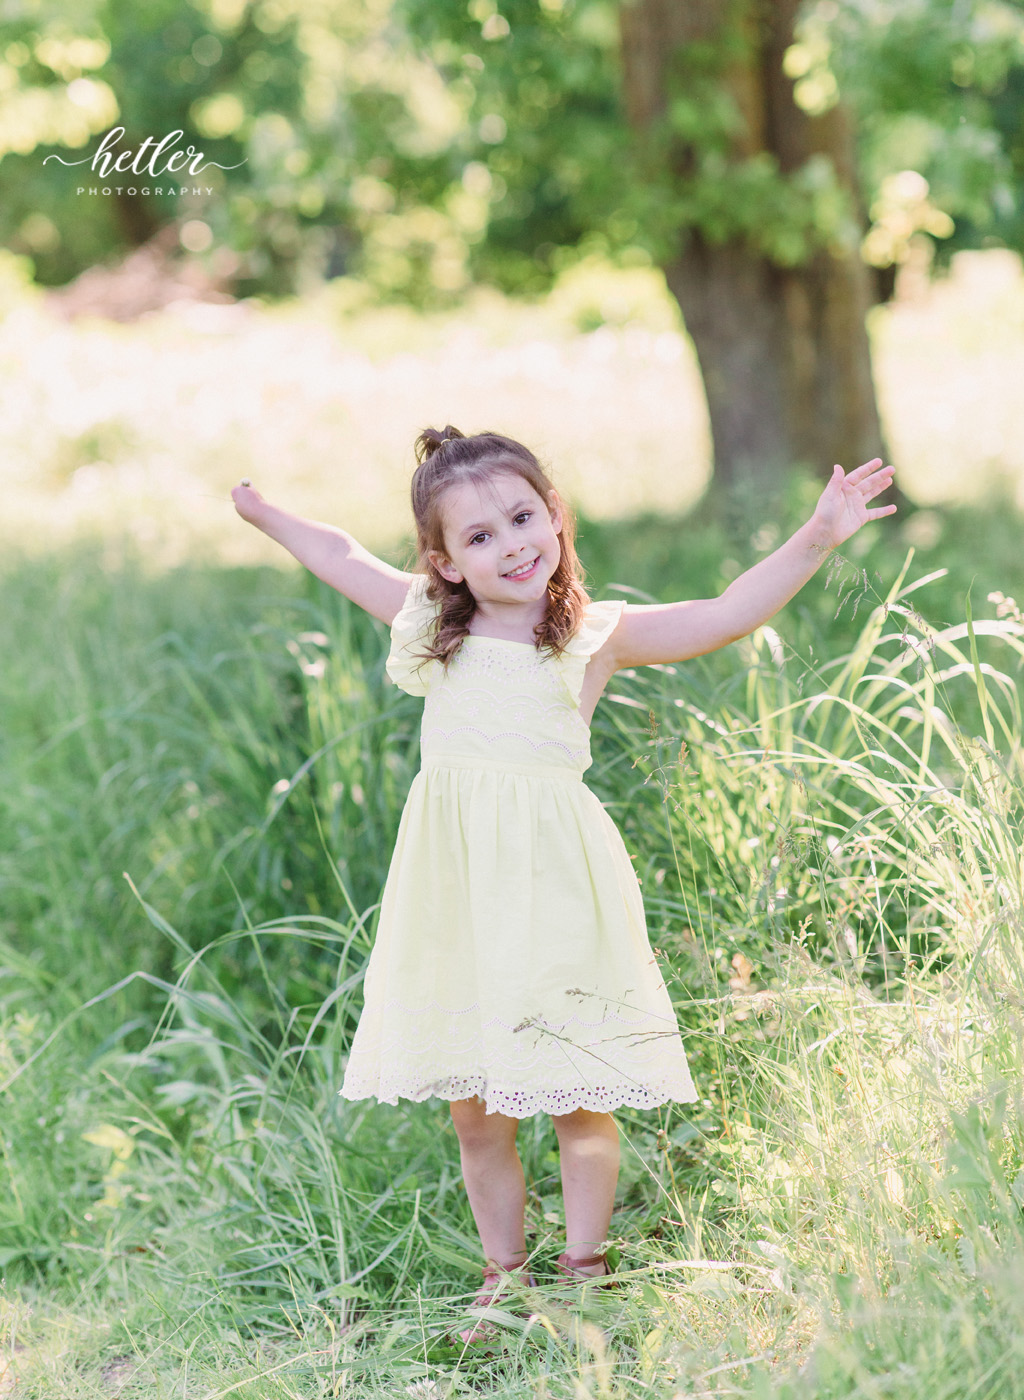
524	1103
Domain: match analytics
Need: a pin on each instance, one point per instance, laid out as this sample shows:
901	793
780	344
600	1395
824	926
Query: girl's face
501	537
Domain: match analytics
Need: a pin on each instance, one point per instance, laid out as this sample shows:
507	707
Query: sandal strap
492	1269
575	1277
571	1265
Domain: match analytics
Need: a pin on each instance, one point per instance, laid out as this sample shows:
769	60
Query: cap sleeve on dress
599	622
405	664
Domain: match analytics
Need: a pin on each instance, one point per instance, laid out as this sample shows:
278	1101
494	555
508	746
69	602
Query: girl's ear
555	507
444	566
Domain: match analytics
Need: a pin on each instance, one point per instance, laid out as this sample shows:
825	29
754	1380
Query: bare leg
589	1147
494	1179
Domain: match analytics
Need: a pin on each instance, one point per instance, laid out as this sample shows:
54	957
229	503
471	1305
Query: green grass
203	774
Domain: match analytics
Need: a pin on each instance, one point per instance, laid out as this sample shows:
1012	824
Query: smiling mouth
522	570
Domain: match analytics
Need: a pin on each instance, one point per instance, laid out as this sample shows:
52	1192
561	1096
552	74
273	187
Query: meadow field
203	771
140	430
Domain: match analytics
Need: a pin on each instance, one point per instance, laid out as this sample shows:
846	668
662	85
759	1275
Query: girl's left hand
843	505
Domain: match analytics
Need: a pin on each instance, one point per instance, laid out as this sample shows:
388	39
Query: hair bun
432	439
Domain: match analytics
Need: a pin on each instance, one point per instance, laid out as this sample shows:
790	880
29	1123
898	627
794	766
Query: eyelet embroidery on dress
516	1102
500	661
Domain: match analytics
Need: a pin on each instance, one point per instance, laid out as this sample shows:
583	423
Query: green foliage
937	87
149	69
429	144
548	83
785	218
933	87
544	138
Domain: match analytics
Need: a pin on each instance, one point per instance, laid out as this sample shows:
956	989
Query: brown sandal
571	1271
498	1282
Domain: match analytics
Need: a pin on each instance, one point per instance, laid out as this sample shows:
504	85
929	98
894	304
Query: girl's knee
583	1122
475	1127
467	1110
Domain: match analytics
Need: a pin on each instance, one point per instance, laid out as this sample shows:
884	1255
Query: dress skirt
511	959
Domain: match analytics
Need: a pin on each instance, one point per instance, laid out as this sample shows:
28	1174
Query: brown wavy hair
449	458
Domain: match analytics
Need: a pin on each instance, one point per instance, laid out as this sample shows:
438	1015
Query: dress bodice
500	704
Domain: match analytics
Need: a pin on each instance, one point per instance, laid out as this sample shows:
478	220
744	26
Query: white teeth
523	569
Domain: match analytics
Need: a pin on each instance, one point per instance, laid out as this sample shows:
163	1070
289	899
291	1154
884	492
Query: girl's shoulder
597	624
406	664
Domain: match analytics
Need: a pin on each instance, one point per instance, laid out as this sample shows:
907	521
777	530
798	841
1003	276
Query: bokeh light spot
196	236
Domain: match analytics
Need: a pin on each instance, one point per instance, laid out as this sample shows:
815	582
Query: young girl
512	972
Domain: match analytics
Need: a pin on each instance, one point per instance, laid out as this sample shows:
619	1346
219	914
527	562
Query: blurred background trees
777	161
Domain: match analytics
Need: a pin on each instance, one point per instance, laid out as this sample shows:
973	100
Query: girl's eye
523	515
477	538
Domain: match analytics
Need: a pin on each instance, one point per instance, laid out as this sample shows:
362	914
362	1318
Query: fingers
878	481
873	487
859	473
879	511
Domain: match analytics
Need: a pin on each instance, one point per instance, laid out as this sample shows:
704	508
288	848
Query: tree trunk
783	350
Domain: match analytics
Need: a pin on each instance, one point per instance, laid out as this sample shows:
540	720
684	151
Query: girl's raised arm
666	632
332	554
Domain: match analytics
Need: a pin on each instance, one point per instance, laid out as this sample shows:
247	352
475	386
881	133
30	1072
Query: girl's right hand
247	502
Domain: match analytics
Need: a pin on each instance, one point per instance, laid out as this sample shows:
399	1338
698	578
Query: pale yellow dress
511	958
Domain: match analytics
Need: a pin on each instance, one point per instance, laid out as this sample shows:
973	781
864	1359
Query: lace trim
517	718
516	1102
